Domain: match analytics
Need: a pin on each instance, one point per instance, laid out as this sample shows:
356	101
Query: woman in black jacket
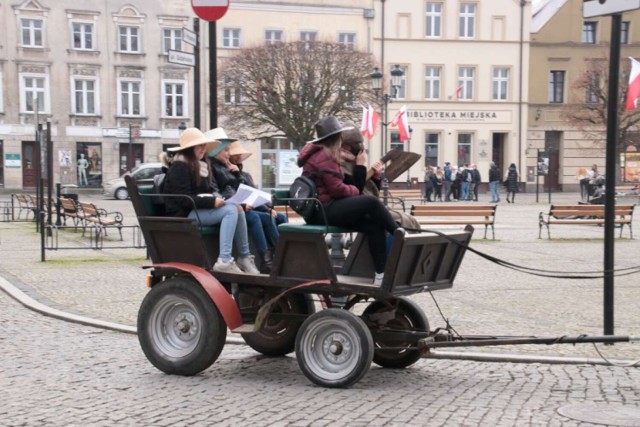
511	183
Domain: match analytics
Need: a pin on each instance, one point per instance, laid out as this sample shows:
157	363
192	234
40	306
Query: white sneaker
377	279
227	267
247	265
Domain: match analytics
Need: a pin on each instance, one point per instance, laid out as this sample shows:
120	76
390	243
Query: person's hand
248	208
219	202
233	168
274	214
378	166
361	158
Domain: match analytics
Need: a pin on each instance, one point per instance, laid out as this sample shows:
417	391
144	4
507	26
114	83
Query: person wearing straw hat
228	177
190	174
344	204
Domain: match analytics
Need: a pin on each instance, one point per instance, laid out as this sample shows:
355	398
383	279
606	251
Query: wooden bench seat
70	209
623	192
584	215
288	212
456	215
100	218
25	203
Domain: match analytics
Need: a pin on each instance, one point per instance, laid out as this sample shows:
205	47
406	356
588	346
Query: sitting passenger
229	179
343	203
190	174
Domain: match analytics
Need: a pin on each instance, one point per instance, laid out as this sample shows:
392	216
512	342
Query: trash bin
67	192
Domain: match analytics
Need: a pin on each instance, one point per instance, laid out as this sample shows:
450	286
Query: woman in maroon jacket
344	204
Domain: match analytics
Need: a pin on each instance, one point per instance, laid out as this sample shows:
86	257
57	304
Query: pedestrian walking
494	180
511	183
447	181
476	179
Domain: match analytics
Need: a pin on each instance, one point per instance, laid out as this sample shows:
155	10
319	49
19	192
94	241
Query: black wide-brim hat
328	126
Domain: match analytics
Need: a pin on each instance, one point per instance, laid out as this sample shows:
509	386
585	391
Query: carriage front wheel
334	348
180	329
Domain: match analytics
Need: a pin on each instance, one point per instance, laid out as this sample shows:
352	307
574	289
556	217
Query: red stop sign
210	10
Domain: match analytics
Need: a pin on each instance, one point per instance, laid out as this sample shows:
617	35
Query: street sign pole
213	76
196	75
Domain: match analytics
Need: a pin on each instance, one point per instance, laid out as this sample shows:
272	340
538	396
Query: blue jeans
257	231
233	228
270	226
493	185
465	190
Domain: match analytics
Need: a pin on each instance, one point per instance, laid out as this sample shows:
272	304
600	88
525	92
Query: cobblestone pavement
56	373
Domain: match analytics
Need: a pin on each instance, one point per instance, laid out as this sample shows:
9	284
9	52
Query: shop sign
459	116
12	160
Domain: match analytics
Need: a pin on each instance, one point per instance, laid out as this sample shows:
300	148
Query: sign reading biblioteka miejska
459	116
210	10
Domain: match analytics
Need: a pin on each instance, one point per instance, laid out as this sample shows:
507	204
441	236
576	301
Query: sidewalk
486	299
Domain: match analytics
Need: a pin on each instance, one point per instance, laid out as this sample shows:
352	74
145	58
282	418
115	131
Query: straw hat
221	140
236	149
328	126
191	137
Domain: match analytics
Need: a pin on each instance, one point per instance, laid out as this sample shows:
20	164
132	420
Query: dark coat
511	183
228	182
179	180
494	174
314	158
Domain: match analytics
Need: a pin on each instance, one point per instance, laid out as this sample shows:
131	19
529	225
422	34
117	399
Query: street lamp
181	128
376	85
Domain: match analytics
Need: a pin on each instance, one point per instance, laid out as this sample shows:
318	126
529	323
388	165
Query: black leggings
365	214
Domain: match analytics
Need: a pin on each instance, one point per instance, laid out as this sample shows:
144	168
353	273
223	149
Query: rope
573	275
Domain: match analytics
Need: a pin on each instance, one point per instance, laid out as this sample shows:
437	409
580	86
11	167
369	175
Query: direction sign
182	58
210	10
189	37
591	8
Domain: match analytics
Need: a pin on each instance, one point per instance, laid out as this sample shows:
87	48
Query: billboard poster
543	163
631	166
288	169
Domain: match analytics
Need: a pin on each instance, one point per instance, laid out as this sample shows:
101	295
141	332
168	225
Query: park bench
288	212
70	209
100	218
456	215
584	215
25	202
623	192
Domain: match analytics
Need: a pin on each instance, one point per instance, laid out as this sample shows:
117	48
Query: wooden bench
584	215
456	215
100	218
288	212
25	203
622	192
70	209
402	197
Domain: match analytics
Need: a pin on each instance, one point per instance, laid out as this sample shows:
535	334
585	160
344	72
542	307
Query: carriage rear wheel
408	316
180	329
334	348
278	335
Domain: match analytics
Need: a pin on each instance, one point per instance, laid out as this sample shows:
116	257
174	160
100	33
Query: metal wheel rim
120	192
320	343
175	326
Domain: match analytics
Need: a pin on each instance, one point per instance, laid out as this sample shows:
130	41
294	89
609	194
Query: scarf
204	168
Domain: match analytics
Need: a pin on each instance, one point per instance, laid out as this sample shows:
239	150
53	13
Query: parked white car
142	173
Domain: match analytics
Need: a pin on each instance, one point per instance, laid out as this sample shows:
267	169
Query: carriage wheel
408	316
277	337
180	329
334	348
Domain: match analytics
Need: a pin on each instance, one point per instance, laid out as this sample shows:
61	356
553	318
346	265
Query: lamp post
409	150
376	85
181	128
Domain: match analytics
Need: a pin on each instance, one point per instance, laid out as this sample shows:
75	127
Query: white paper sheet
249	196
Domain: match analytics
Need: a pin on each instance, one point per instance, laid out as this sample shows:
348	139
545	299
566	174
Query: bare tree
283	89
587	107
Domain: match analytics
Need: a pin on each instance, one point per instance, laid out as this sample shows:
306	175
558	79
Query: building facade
563	45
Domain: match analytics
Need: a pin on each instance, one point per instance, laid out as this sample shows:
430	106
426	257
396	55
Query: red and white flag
369	121
459	91
633	92
401	121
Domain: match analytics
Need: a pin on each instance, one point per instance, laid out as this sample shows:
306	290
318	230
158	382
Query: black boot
267	262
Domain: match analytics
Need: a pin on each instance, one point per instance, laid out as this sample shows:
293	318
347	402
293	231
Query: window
230	37
174	98
624	32
89	164
272	37
465	82
232	94
500	84
32	35
129	98
82	36
308	37
464	148
395	141
431	149
592	90
84	96
34	88
589	32
556	86
129	39
171	39
432	82
434	20
467	20
401	92
347	40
